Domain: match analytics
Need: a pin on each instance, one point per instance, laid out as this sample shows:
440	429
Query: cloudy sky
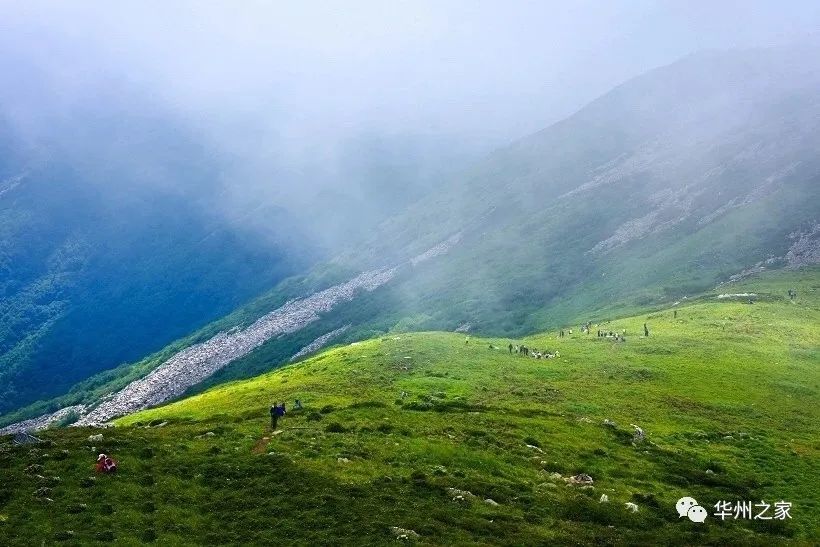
496	69
290	83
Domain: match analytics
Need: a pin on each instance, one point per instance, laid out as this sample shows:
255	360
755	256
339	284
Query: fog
339	99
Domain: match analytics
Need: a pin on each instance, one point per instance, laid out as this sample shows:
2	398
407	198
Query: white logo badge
688	507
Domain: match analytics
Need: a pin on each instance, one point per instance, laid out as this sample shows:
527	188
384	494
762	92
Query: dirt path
262	444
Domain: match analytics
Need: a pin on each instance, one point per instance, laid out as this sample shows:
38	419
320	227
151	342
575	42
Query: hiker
510	347
467	340
297	405
562	333
274	415
675	314
106	464
645	330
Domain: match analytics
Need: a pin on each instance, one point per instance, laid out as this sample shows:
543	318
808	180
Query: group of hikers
529	352
585	328
617	337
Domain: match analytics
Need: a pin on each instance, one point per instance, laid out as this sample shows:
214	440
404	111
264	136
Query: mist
336	109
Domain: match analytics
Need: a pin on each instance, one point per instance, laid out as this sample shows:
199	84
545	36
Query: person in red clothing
106	464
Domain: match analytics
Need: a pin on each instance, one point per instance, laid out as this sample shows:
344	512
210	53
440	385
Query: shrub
335	427
66	420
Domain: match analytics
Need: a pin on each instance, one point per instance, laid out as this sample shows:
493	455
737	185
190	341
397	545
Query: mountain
421	438
670	183
111	246
678	180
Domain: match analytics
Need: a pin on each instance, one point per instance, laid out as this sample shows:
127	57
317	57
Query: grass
727	393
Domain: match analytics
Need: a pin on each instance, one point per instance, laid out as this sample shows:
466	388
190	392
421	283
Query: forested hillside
104	259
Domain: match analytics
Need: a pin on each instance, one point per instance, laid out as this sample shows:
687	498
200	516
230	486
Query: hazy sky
291	81
496	69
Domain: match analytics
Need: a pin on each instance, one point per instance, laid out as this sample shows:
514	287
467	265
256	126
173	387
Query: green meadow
437	438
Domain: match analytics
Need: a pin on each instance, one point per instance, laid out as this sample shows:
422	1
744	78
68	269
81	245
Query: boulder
580	479
403	533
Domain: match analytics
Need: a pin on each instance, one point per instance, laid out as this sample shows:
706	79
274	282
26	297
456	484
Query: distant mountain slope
671	183
109	249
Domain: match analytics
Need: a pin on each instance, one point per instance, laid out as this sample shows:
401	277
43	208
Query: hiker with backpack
274	415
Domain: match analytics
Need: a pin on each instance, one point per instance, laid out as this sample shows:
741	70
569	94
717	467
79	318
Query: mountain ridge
629	202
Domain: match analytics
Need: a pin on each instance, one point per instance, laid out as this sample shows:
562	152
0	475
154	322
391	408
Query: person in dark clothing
274	415
645	330
510	347
297	405
675	314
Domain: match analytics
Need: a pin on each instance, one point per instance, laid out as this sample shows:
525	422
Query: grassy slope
720	369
